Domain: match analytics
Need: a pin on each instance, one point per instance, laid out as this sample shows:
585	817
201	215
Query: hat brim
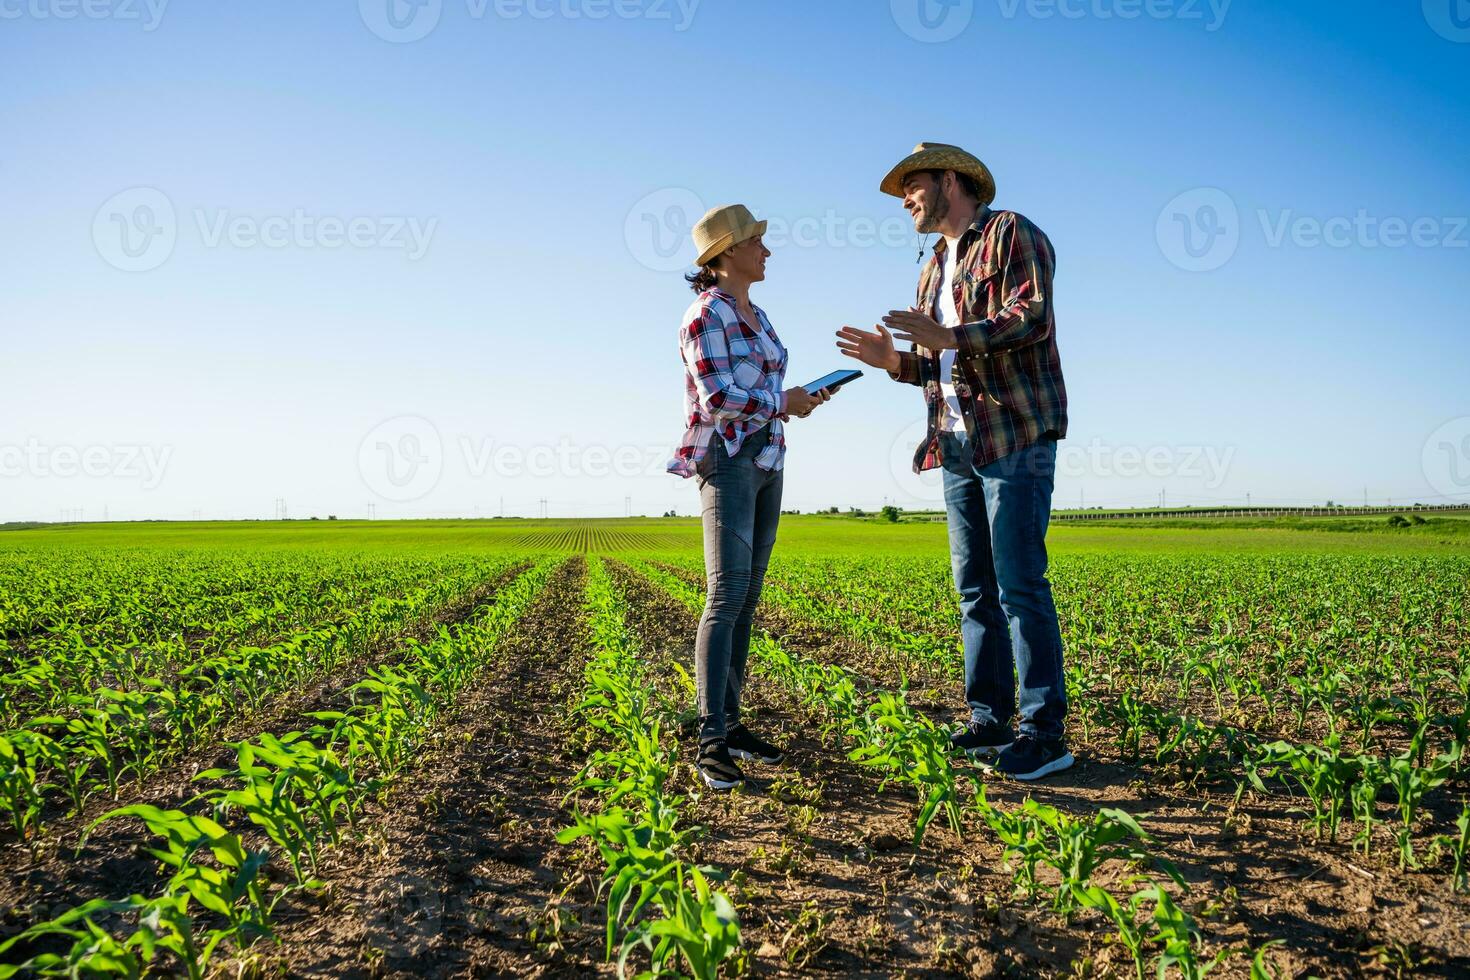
729	240
939	160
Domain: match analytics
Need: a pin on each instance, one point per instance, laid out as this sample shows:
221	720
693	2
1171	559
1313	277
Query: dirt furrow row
71	866
459	873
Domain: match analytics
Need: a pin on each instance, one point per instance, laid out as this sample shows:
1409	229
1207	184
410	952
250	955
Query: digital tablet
832	381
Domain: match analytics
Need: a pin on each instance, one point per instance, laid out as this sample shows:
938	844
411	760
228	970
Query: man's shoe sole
1056	765
770	759
719	784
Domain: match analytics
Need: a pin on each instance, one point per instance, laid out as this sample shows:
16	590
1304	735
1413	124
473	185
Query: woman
734	365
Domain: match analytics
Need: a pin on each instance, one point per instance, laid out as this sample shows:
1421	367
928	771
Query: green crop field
335	748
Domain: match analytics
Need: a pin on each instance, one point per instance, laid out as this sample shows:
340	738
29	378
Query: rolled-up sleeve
707	356
1026	268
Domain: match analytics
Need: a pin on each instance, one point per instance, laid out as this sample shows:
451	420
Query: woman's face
747	260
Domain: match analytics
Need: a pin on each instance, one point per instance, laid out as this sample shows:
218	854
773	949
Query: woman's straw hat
940	156
721	227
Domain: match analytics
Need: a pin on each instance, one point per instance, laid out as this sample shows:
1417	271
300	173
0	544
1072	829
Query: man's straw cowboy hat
940	156
721	227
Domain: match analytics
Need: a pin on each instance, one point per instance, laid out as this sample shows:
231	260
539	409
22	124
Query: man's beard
933	216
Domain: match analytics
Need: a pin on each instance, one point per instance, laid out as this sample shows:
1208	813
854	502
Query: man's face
925	202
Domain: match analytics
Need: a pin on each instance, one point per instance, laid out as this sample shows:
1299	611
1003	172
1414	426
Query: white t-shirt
950	419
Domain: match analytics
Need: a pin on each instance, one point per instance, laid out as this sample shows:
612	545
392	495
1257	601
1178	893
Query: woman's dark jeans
742	506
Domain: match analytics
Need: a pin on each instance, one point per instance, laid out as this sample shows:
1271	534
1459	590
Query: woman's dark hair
703	278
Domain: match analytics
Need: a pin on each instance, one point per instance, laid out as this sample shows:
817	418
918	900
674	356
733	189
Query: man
985	353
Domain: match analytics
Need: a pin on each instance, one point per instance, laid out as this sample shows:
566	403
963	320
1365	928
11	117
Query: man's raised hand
873	349
921	329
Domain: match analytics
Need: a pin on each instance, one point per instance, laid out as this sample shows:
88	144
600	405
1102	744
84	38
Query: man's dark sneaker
745	745
1030	757
980	738
716	767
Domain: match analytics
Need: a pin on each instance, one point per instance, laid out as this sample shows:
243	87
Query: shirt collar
735	303
982	216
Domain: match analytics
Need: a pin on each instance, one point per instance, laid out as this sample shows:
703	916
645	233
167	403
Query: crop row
301	791
1333	779
1249	634
885	733
654	898
65	598
48	674
99	739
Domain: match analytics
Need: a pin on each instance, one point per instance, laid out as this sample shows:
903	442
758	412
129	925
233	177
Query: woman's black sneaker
745	745
982	738
1031	758
716	767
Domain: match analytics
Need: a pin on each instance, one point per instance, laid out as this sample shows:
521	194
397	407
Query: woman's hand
873	349
799	402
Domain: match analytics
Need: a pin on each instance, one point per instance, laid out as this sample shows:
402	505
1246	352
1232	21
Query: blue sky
438	275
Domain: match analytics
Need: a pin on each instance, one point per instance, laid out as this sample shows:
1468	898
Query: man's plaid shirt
731	386
1008	373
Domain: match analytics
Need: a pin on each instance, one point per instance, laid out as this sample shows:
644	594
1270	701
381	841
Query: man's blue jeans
997	543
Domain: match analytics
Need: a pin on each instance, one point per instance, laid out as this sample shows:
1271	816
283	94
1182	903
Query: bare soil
68	866
1255	872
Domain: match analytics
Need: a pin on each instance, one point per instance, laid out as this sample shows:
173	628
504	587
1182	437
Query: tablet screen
832	381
